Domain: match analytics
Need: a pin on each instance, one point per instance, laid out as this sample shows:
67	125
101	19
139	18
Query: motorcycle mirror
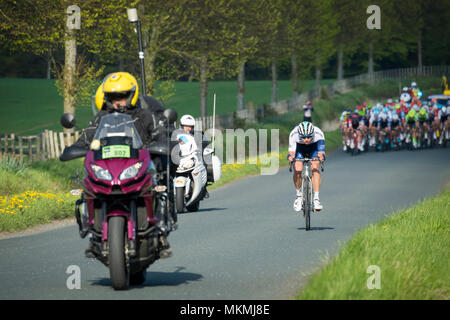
171	115
68	120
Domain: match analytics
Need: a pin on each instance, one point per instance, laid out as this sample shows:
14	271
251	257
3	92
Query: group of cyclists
408	122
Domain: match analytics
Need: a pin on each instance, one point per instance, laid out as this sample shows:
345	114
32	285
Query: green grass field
411	249
32	105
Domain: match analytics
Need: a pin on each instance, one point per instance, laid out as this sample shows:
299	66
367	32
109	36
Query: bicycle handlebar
291	163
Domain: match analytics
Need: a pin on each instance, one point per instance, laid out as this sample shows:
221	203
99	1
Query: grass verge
410	247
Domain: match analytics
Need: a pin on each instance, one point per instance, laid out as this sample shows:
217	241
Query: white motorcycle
192	177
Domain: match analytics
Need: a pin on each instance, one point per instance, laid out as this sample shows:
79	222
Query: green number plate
115	152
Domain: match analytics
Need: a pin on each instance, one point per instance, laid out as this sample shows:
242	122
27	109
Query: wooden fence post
61	138
20	148
44	148
30	151
13	145
49	144
38	148
6	144
57	151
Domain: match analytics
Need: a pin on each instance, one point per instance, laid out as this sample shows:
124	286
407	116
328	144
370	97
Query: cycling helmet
413	84
187	120
116	85
395	117
416	107
405	89
305	128
383	116
405	97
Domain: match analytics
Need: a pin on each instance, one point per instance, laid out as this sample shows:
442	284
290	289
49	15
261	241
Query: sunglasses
306	137
117	96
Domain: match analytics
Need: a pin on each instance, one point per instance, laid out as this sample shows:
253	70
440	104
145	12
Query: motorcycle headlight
131	172
101	173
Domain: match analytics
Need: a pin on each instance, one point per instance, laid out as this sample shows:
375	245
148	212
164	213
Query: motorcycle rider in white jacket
190	151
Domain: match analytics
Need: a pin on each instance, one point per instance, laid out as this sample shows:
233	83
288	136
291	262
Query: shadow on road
211	209
317	228
155	279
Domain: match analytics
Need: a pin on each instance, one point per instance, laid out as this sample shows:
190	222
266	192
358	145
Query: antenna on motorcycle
214	121
133	18
171	116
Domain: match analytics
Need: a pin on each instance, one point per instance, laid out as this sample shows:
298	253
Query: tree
349	19
254	15
214	45
325	30
385	41
272	44
39	27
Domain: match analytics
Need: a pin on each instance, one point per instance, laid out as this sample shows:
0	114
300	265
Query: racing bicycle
308	203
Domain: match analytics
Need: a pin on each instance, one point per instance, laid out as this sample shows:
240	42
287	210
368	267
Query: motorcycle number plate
116	151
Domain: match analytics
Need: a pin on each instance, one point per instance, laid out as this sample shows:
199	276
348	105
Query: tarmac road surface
246	242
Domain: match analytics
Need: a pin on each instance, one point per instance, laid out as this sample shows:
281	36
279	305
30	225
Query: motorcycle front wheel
118	271
179	200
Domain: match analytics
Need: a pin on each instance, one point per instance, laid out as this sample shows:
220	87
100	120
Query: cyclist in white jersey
306	140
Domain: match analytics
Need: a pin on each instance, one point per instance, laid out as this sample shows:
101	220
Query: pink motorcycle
117	203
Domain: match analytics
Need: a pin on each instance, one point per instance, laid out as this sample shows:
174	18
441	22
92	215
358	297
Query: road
246	242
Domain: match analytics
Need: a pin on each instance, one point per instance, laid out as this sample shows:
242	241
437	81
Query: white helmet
413	84
305	128
444	110
405	89
187	120
416	107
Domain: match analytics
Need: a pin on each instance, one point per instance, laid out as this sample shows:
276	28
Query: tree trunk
203	86
49	64
149	62
274	82
318	76
370	66
340	63
191	71
419	52
241	87
294	68
69	74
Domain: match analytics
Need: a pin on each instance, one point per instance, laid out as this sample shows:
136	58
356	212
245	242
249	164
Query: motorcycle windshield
118	125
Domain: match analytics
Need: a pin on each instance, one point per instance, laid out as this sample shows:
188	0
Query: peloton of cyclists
397	123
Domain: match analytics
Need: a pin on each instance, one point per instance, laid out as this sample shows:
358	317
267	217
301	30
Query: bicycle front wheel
307	204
